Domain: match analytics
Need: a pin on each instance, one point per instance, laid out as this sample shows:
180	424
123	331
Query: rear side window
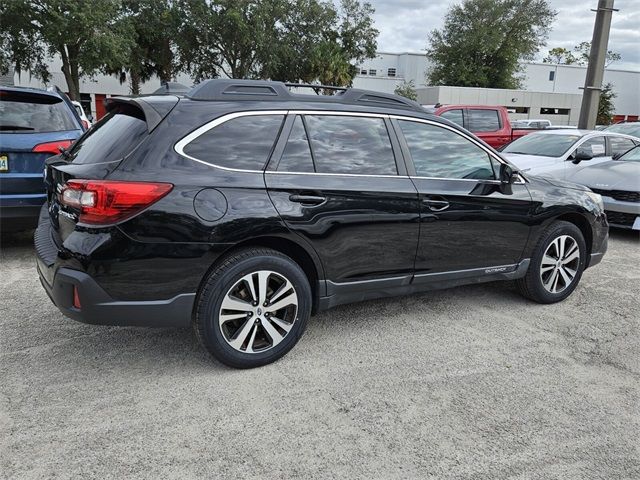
620	144
440	153
114	137
297	153
350	145
26	112
481	120
243	143
454	115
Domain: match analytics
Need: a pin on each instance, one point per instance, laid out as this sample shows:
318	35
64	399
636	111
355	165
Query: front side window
243	143
481	120
351	145
441	153
595	147
454	116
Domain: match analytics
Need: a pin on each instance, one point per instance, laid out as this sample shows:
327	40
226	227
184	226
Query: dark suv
242	208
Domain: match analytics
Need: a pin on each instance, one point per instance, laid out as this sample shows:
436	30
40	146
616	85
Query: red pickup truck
490	124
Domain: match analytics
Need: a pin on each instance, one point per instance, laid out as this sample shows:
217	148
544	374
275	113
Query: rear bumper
97	306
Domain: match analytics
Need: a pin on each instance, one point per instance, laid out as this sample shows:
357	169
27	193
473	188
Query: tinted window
29	113
620	144
112	138
454	115
594	147
483	120
244	142
359	145
544	145
297	154
440	153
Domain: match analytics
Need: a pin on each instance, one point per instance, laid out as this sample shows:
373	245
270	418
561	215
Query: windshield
628	128
26	112
542	144
112	138
632	155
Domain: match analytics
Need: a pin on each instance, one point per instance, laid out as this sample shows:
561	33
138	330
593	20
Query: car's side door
469	223
337	179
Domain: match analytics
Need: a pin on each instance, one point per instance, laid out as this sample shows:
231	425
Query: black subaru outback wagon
242	208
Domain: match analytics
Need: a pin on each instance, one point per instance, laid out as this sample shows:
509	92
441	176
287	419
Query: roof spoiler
154	107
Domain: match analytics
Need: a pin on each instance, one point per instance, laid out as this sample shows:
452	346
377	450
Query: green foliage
288	40
562	56
482	42
89	36
407	90
605	106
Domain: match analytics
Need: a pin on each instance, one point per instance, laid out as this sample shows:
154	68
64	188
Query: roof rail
265	90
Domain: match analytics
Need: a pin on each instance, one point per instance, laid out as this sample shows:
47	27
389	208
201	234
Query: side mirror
507	177
581	155
506	174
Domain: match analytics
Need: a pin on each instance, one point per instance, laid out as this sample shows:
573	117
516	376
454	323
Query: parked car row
604	161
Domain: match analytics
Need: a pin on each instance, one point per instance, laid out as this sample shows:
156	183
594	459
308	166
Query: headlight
597	199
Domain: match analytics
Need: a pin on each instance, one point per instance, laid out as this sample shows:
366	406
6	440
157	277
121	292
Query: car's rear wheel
253	308
557	264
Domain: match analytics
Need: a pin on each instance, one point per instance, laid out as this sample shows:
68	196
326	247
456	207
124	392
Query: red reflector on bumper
76	298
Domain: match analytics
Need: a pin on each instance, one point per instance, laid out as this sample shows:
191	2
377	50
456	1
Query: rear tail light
54	148
85	124
76	298
104	202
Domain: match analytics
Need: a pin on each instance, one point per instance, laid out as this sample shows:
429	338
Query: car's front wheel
253	308
557	264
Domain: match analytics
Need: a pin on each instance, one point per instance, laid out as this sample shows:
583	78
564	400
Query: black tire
218	286
532	285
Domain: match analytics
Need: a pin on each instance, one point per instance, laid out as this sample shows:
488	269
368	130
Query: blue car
34	125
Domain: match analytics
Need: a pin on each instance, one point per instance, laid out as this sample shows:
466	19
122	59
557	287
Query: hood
611	175
529	162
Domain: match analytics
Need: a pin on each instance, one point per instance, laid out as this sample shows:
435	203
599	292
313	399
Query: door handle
436	205
308	199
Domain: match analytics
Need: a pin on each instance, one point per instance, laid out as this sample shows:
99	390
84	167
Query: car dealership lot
470	382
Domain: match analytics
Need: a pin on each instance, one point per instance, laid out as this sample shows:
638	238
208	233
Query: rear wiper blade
15	127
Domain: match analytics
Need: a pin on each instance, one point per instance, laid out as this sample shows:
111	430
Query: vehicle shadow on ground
128	348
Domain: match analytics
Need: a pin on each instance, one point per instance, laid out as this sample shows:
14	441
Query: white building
387	70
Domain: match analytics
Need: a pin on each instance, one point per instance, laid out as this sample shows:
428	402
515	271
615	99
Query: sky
405	24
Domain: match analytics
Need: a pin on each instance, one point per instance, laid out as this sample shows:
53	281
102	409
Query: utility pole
595	69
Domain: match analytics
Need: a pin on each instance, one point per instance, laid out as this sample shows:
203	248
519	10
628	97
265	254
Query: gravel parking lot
473	382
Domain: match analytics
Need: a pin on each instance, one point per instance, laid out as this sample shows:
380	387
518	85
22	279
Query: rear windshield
112	138
26	112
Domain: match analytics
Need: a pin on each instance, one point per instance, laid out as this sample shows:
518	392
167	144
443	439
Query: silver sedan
618	181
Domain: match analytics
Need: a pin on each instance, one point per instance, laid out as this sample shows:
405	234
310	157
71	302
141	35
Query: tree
287	40
584	49
88	35
153	25
560	56
407	90
605	106
482	42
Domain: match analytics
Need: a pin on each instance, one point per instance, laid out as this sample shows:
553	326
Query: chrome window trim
182	143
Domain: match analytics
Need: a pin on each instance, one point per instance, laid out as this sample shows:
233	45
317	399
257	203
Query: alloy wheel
258	311
560	264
